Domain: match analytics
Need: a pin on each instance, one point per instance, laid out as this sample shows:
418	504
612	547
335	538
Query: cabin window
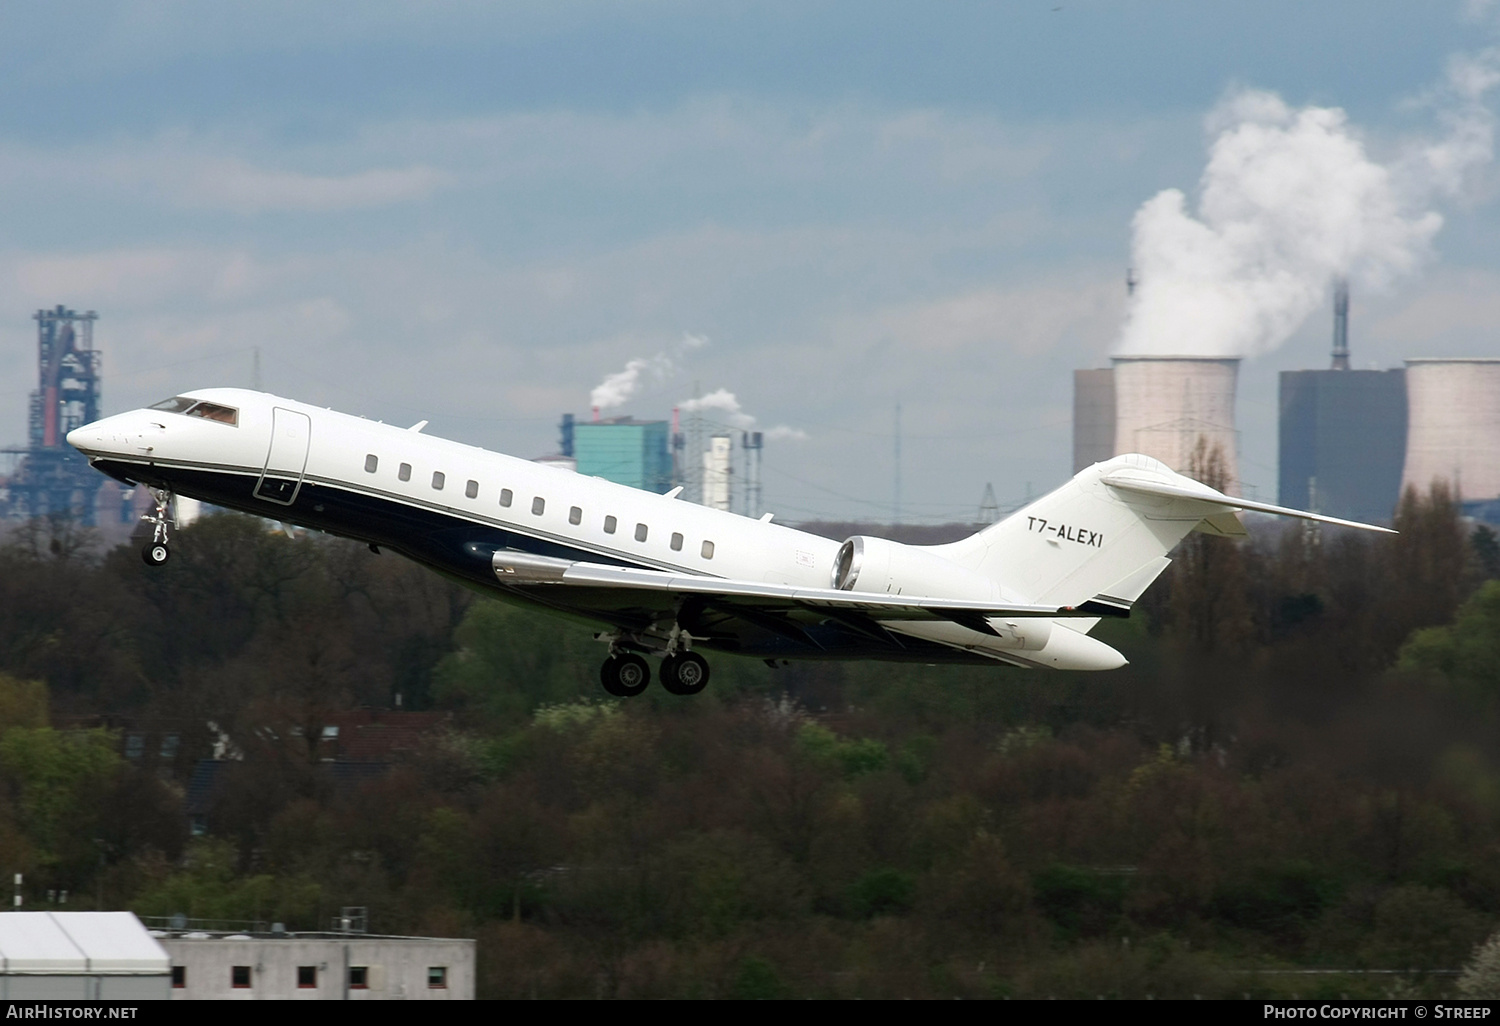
575	515
437	977
708	550
239	976
471	490
372	463
537	505
179	977
609	525
215	412
307	976
359	977
404	472
438	478
676	542
640	532
505	496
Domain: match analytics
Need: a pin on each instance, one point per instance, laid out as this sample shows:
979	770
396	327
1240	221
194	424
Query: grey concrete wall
396	968
66	987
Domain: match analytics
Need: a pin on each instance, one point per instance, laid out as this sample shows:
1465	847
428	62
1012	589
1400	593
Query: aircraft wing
756	600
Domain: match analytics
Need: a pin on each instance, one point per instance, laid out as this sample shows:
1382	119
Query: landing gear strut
155	552
625	675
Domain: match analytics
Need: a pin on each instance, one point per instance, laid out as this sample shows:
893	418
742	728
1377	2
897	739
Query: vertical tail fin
1104	536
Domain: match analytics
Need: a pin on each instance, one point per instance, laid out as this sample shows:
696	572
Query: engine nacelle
890	568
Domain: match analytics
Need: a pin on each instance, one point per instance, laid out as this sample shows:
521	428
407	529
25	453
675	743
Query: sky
477	213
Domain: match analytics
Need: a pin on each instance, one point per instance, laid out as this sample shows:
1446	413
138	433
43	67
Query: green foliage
23	703
577	715
1080	902
52	777
882	892
851	756
757	980
1259	791
1466	653
1279	900
210	886
1421	928
511	661
916	757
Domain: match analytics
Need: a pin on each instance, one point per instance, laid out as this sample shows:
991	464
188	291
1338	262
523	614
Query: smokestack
596	414
1164	404
1341	324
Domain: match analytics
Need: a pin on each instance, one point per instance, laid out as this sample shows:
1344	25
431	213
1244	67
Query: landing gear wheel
685	673
155	553
625	676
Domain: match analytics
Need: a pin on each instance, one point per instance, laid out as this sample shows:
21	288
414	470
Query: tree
1209	609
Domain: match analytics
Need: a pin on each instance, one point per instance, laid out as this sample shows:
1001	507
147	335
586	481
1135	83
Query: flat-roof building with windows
318	967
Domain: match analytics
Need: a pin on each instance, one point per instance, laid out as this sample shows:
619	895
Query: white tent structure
80	956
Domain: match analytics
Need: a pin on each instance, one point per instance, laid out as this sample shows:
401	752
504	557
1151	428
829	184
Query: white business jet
666	577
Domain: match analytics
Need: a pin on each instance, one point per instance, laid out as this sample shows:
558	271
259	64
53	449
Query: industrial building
1453	431
624	450
1341	442
80	956
48	477
334	966
1157	405
1093	417
1341	435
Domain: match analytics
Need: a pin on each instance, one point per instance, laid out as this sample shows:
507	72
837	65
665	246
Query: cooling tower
1164	404
1453	430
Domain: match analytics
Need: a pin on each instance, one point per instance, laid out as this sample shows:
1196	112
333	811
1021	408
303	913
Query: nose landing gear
156	552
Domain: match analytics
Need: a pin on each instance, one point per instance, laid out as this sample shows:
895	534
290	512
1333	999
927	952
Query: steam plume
617	389
1289	200
724	403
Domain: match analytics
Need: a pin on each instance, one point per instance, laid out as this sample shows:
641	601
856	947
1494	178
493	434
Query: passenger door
287	458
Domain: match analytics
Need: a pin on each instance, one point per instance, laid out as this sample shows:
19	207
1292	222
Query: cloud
239	186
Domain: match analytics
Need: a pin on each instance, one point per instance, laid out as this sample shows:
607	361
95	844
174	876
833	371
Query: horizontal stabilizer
1142	484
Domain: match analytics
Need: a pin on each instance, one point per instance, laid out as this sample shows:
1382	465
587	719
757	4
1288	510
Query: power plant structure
1162	406
1342	434
644	454
50	477
1453	431
624	450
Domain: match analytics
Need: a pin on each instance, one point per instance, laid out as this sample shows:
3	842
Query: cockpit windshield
196	408
176	404
213	411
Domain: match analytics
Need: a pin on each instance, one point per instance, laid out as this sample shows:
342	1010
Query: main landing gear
155	552
625	674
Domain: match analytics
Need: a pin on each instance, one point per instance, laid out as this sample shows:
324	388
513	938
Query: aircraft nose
89	438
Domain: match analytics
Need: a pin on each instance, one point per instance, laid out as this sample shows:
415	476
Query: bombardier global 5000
664	577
